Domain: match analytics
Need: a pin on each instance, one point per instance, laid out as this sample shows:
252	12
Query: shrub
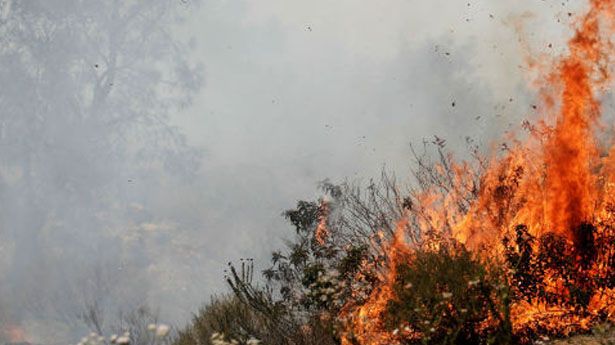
225	315
448	296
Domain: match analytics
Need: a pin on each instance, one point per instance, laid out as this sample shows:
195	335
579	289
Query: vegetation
343	256
223	315
448	296
447	293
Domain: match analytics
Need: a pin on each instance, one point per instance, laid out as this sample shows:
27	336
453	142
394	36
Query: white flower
253	341
333	273
162	330
473	282
219	339
447	295
123	340
151	327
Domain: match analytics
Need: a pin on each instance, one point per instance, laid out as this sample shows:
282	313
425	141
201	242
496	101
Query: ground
601	336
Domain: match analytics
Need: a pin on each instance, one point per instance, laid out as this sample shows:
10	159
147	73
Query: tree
88	88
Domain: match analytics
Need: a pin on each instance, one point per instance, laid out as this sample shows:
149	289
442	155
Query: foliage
140	325
226	315
310	281
315	274
227	318
442	293
283	322
448	296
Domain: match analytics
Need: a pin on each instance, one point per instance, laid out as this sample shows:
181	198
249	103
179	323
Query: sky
293	92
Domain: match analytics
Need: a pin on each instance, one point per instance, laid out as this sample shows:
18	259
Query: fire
547	202
571	150
14	333
322	231
368	321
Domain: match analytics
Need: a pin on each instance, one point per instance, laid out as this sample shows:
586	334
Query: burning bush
566	282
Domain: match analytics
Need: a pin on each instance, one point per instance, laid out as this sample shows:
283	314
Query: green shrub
448	296
224	315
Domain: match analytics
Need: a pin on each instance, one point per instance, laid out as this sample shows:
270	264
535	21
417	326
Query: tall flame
368	317
559	180
571	152
555	179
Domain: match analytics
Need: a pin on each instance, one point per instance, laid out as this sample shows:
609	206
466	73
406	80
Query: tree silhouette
88	88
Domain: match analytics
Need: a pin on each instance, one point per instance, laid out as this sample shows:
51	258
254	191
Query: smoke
130	176
301	91
86	142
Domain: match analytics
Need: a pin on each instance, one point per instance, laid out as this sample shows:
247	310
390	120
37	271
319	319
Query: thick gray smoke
129	175
87	152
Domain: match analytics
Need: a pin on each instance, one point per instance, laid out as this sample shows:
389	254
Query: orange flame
14	333
322	231
368	328
554	182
